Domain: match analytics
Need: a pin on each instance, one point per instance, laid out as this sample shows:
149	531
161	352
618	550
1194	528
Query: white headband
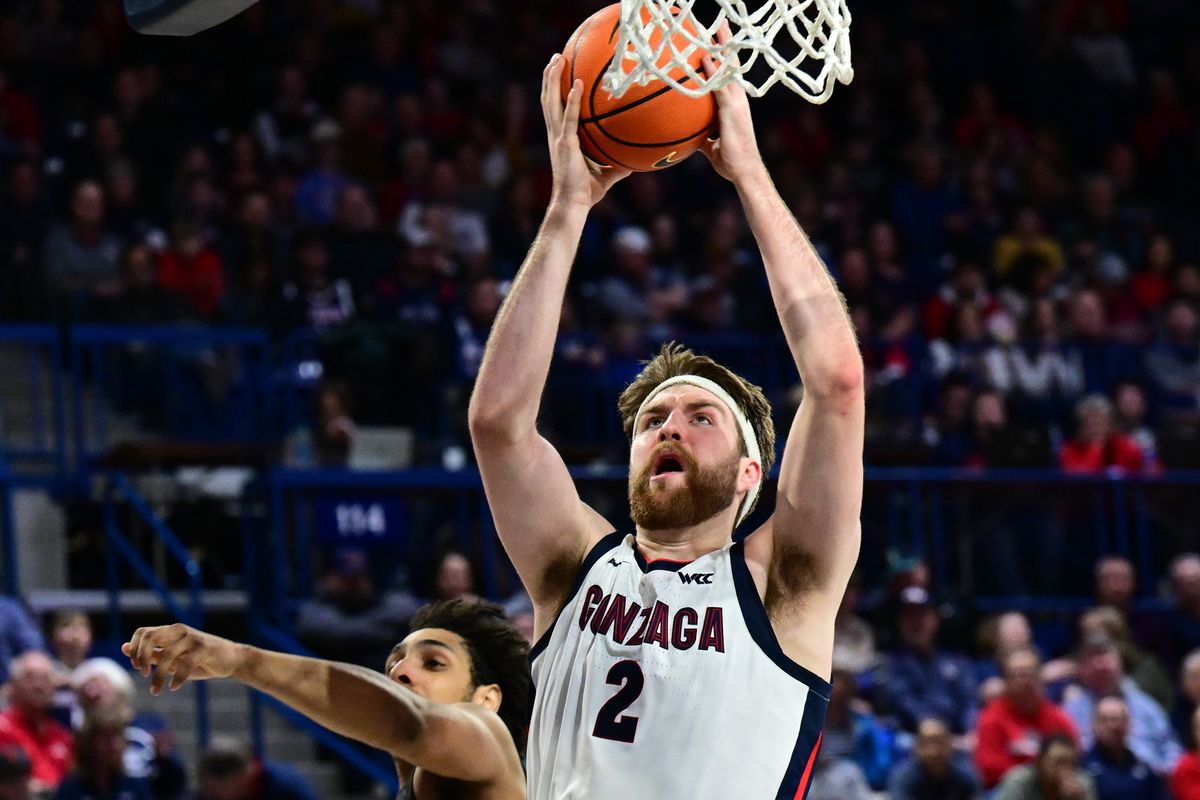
743	422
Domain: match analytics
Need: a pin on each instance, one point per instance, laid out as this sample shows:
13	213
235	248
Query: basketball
649	127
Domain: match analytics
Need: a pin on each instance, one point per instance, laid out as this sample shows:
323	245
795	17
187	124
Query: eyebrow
402	647
695	405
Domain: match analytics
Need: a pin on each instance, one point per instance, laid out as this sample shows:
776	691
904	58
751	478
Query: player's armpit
544	526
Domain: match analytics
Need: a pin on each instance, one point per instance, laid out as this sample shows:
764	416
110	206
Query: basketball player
450	708
671	662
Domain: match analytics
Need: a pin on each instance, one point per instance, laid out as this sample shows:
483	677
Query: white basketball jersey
665	680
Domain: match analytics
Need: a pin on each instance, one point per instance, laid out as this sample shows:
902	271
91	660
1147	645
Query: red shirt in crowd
1118	451
47	743
200	280
1007	739
1185	780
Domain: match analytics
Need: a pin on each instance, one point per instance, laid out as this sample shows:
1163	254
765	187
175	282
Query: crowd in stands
68	729
1108	712
1005	194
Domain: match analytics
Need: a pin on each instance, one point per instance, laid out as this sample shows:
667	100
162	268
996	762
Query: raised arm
454	741
813	538
544	526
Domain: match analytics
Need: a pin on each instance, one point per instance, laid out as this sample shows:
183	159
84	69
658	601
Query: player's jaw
672	490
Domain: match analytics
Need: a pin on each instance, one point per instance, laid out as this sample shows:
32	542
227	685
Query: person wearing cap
737	644
922	681
1101	674
637	289
1118	772
1012	726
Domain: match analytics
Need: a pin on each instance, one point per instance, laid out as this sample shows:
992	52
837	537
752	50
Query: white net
803	44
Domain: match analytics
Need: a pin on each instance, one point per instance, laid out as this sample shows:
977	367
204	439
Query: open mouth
667	463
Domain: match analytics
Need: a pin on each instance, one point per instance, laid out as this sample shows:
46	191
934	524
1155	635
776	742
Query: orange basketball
647	128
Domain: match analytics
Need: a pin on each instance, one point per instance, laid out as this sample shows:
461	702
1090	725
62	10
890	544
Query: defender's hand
179	653
734	154
575	182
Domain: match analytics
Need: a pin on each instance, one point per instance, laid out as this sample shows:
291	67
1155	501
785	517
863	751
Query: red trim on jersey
803	787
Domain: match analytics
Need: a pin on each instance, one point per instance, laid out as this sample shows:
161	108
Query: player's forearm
349	700
516	362
810	307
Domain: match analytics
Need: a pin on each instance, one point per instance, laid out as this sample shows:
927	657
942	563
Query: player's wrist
565	209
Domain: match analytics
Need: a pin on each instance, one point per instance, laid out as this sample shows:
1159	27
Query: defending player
672	662
450	708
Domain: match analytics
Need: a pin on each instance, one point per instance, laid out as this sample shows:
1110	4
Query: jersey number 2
611	723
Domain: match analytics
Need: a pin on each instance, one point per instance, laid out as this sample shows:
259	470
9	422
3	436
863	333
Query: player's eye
654	422
704	419
433	663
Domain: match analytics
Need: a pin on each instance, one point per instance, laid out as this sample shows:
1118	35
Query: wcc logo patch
696	577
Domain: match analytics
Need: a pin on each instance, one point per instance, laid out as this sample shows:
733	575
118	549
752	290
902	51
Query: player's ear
750	474
488	696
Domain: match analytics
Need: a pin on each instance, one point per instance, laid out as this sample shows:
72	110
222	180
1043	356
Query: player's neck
685	544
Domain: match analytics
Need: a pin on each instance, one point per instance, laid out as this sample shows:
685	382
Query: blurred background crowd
1006	195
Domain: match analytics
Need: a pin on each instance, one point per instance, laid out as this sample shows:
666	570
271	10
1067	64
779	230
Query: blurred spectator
1188	700
1151	287
474	323
99	772
18	634
1116	587
1012	726
1097	446
1023	253
28	724
149	753
1141	667
1183	617
837	779
636	289
81	257
442	219
454	578
192	270
143	298
853	638
1173	364
70	642
1037	370
283	130
1055	775
349	617
1118	772
1101	675
359	250
1129	407
328	441
315	299
931	773
317	193
227	771
854	734
922	681
1185	780
14	774
22	232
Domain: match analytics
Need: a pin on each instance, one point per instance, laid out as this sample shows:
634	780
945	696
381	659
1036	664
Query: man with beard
673	661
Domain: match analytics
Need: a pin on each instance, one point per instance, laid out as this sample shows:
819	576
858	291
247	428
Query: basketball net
658	37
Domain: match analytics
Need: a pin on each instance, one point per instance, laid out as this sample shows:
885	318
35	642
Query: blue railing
997	539
121	495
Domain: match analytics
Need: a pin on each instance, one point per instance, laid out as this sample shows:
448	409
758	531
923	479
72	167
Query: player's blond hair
673	360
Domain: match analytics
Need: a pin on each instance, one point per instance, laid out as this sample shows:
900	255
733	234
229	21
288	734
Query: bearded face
672	490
